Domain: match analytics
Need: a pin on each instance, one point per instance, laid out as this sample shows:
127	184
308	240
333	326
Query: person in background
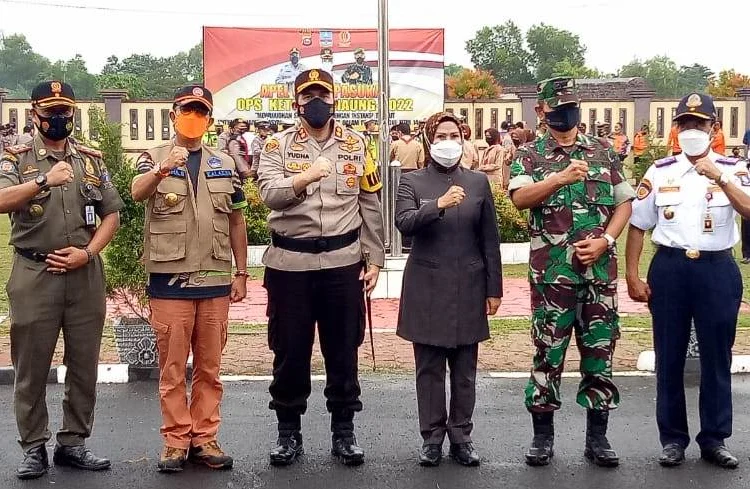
371	139
27	136
718	142
640	144
238	148
582	128
264	130
620	142
222	141
470	157
452	282
395	133
673	142
541	129
493	160
746	142
407	150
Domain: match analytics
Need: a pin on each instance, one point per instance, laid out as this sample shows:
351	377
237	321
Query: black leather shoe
720	456
464	454
34	463
541	450
430	455
288	448
79	457
672	455
598	449
345	448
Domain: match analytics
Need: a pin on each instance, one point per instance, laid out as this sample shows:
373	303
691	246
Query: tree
453	69
473	84
20	67
75	73
500	50
660	72
124	81
549	46
694	78
567	68
727	84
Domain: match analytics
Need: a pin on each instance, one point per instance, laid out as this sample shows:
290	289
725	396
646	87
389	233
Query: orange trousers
200	324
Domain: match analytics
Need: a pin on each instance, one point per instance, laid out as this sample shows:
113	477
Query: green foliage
256	217
512	224
667	80
568	68
453	69
20	67
500	50
549	46
75	73
655	151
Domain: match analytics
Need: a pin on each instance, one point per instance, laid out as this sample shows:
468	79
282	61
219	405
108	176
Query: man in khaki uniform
407	150
194	223
54	190
325	217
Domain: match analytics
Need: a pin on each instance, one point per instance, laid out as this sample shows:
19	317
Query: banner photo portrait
251	71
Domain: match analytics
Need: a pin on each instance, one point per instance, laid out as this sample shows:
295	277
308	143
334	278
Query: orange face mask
191	126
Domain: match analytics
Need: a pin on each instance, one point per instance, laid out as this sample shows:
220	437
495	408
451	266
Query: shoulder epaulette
665	161
727	160
89	151
18	149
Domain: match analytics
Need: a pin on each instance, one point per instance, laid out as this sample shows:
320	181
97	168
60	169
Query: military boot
541	449
598	449
35	463
288	448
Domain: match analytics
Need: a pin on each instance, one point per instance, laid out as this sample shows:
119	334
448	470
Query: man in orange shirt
718	143
640	143
672	143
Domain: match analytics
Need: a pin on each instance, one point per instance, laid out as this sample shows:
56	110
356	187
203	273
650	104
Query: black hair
505	125
404	128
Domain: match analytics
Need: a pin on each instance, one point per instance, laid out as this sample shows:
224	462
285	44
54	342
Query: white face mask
694	142
446	153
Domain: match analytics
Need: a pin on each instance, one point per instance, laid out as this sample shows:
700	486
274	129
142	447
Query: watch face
41	180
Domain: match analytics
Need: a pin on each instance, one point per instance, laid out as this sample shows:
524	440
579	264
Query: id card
90	215
708	223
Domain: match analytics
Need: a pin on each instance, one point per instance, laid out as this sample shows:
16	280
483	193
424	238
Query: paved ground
128	420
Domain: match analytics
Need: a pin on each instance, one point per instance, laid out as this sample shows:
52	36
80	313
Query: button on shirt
674	201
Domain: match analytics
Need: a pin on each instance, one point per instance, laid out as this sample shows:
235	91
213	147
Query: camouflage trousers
557	311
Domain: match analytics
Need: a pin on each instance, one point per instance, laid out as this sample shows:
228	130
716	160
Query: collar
433	167
550	144
41	152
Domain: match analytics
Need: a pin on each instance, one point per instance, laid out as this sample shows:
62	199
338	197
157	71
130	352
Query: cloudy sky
615	31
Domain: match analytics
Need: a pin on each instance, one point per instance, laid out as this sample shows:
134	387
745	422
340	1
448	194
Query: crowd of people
322	186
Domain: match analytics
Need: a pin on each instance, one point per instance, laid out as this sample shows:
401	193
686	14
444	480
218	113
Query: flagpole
383	119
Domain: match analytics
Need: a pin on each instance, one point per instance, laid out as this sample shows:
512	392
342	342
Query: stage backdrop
251	71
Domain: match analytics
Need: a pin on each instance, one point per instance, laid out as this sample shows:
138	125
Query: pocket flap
221	226
220	185
173	186
668	198
719	199
167	227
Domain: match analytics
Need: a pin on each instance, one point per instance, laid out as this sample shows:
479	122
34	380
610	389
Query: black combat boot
598	449
34	463
541	451
288	448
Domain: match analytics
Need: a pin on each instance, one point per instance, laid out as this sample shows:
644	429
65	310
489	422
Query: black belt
314	245
32	255
693	254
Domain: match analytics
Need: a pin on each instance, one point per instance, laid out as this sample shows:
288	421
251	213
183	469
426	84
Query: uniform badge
198	92
42	152
171	199
350	169
214	162
36	210
297	147
271	146
351	182
90	166
644	189
314	75
55	87
178	172
301	134
338	132
351	145
8	167
30	169
693	101
668	213
744	178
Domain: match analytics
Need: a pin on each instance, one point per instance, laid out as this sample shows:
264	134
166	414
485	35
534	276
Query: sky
614	31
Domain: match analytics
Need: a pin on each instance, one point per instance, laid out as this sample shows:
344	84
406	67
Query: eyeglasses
199	109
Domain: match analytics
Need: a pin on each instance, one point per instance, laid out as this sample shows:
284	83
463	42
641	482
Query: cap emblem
314	75
198	92
55	87
694	101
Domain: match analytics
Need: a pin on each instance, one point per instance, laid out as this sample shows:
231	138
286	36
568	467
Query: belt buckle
321	244
693	254
40	257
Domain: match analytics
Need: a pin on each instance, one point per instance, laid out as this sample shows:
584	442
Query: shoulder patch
271	146
665	161
726	160
18	149
89	151
370	181
7	166
644	189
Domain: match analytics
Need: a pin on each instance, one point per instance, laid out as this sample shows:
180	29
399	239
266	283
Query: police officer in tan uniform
54	190
325	217
194	223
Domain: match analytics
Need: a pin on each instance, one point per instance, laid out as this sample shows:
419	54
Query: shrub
512	224
655	151
256	217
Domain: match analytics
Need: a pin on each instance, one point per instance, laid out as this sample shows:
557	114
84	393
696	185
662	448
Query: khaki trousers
200	324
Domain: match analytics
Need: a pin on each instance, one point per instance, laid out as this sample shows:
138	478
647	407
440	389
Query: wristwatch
41	181
723	179
610	240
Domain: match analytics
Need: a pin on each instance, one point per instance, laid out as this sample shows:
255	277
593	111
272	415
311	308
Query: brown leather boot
211	455
172	459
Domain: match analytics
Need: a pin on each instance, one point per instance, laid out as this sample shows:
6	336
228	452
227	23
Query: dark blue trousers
706	291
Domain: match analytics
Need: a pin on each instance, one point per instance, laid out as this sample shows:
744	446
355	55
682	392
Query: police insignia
351	182
314	75
297	147
30	169
90	167
214	162
339	133
351	145
55	87
7	167
198	92
36	210
644	189
693	101
271	146
350	169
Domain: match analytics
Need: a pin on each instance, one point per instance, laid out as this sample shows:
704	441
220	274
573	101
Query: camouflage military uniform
359	72
566	295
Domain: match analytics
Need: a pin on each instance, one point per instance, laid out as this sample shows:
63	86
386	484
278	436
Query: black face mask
394	137
563	118
489	141
58	127
316	112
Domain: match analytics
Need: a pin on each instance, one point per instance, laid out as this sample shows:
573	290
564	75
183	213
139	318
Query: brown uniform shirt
56	218
409	152
344	201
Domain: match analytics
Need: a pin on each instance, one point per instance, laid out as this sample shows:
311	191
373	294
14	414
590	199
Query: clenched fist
576	171
60	174
705	166
319	170
453	197
177	157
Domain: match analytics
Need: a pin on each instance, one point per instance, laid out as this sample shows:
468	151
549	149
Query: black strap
704	255
32	255
314	245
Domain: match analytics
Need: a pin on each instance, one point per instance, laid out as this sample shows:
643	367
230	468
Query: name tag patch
219	174
178	172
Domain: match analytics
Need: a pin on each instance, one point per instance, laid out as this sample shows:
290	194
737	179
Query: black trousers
707	292
434	419
745	228
334	299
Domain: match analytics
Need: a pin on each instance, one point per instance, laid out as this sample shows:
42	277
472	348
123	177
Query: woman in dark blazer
452	281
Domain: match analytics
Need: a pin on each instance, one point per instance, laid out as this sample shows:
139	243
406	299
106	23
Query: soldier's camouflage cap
52	93
697	105
313	77
359	51
558	91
